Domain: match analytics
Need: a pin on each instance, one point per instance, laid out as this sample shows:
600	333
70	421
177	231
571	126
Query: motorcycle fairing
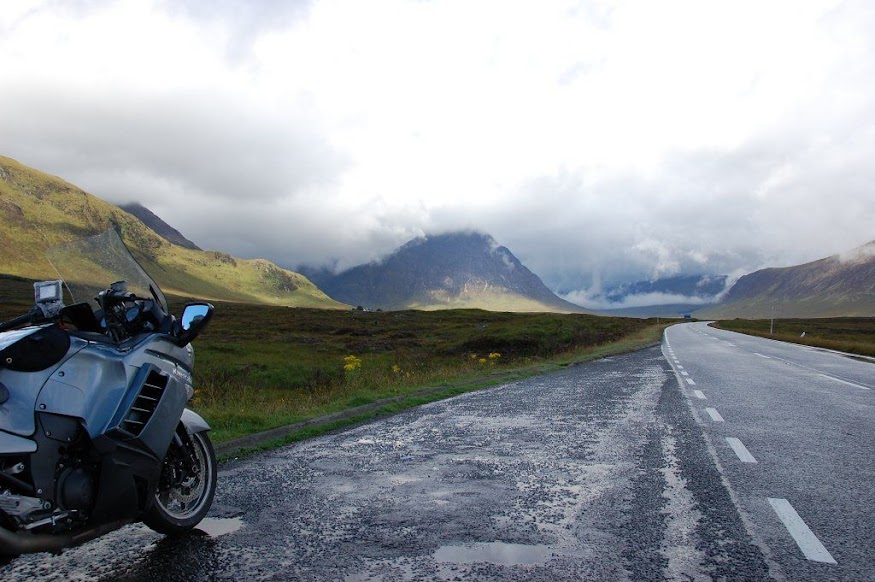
150	411
11	444
17	413
90	382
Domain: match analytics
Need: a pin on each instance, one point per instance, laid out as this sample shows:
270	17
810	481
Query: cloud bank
599	141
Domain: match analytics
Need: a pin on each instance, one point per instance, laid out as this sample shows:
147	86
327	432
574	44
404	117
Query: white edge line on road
690	382
715	416
801	533
845	382
699	394
740	450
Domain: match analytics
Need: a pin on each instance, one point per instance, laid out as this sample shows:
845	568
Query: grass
322	423
259	367
854	335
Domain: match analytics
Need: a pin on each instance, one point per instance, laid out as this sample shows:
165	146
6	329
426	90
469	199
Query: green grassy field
855	335
259	366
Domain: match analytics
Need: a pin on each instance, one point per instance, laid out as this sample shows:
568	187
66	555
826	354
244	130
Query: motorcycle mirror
194	319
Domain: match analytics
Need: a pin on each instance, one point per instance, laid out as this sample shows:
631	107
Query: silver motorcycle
94	429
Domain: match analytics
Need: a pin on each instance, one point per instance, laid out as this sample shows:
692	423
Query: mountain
837	286
39	211
455	270
160	227
698	287
666	297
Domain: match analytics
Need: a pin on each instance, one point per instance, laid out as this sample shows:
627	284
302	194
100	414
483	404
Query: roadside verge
277	437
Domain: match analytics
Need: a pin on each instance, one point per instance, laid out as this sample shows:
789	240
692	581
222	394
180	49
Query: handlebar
19	321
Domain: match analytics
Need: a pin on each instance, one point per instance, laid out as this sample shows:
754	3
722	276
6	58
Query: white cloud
596	302
600	141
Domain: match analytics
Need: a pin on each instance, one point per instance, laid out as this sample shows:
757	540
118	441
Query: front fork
179	462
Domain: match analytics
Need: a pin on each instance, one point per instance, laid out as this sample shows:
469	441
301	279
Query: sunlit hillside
39	211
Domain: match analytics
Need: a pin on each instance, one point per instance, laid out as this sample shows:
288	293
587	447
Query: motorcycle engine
75	496
75	489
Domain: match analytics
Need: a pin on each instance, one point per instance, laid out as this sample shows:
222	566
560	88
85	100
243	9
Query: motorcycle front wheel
186	487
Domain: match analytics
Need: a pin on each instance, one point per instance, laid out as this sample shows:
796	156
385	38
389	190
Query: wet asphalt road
597	472
791	426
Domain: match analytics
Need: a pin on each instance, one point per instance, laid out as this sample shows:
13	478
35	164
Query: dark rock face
436	270
160	227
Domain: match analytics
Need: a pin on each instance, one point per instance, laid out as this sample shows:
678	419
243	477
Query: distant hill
703	287
39	211
455	270
160	227
837	286
667	297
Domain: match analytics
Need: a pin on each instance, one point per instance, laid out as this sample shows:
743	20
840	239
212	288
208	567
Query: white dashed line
740	450
845	382
715	416
684	373
801	533
690	382
680	367
762	356
699	394
730	344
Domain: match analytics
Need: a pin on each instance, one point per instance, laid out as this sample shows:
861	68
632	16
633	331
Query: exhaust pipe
16	543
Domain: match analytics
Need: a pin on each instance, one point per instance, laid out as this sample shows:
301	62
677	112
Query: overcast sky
599	141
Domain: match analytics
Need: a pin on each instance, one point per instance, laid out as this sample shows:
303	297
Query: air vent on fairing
144	405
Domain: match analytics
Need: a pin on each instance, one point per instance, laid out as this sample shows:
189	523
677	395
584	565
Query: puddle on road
500	553
218	526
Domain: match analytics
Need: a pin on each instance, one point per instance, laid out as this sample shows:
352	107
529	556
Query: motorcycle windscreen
36	351
88	266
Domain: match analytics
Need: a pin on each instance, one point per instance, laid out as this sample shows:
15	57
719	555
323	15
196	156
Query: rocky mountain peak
444	270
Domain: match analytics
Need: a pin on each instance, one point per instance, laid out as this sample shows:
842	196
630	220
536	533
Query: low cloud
598	302
685	290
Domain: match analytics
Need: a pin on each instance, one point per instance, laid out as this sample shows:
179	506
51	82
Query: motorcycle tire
177	508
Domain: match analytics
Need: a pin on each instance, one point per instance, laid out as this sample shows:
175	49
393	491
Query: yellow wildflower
352	363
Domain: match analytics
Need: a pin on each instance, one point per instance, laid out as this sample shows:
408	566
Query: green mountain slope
39	211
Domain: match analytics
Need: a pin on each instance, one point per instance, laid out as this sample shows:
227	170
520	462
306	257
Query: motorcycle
94	429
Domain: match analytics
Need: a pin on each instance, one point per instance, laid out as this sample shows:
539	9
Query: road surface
613	470
793	429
